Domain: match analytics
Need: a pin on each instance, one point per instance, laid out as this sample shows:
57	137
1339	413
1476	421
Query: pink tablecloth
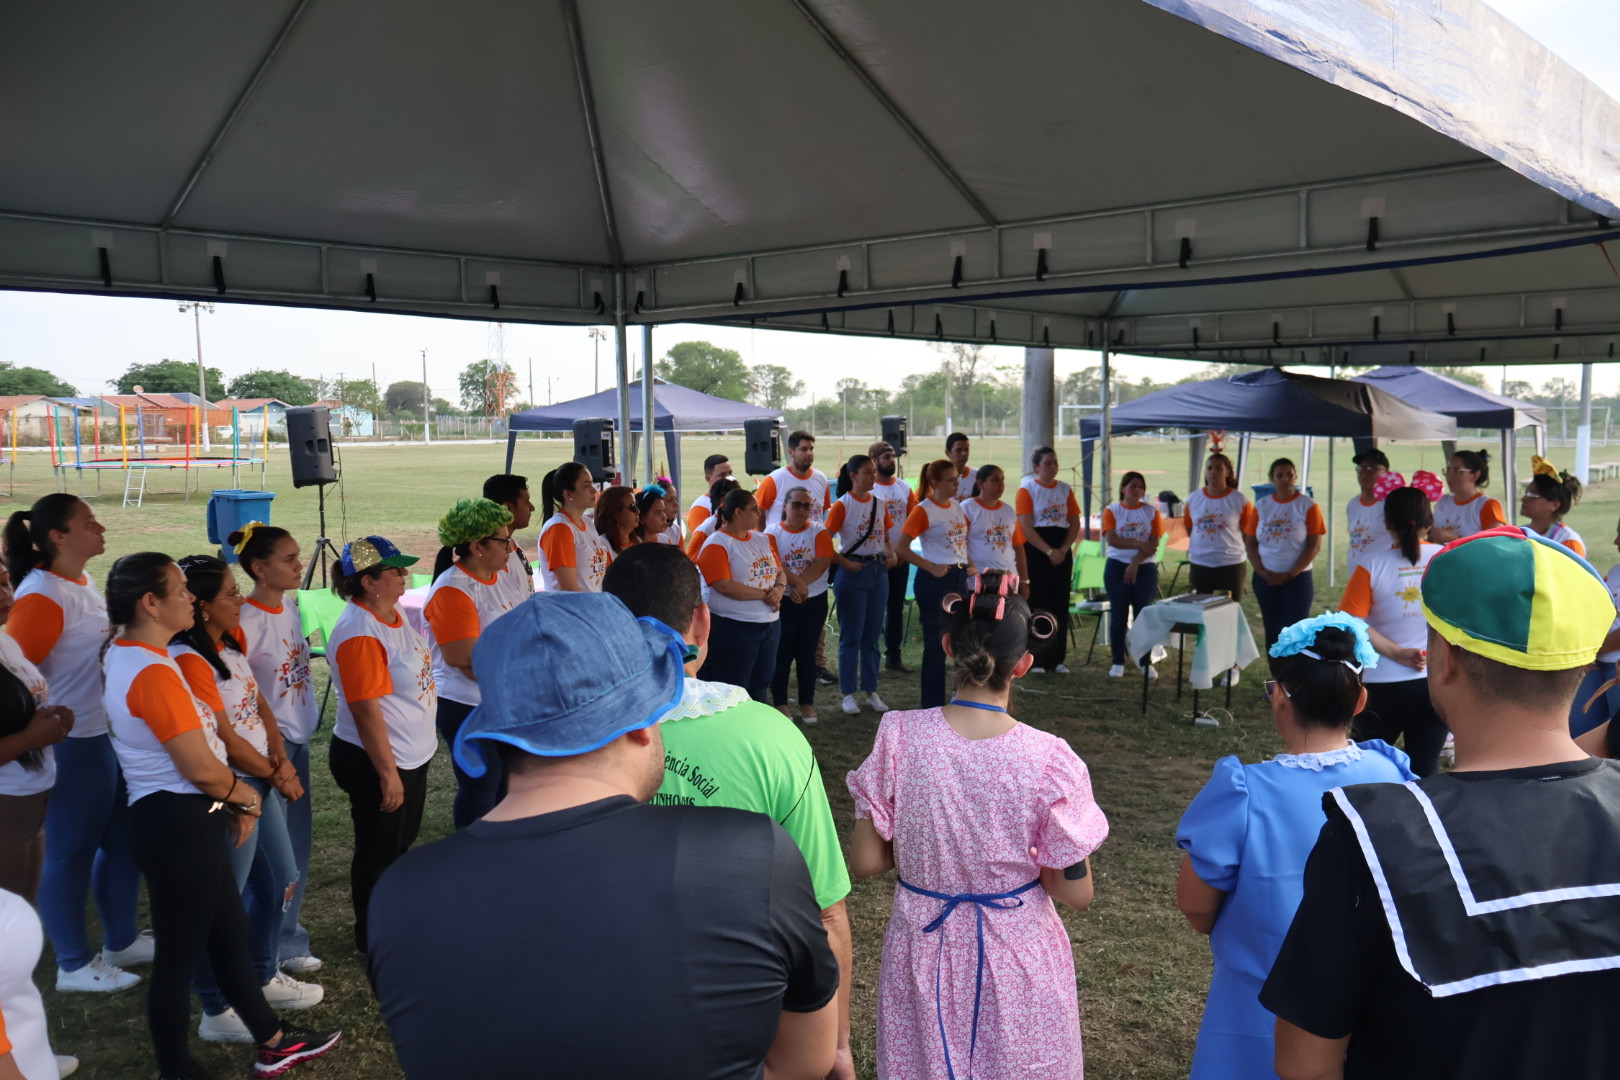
412	603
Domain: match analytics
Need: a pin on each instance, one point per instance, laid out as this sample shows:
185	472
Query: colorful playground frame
148	447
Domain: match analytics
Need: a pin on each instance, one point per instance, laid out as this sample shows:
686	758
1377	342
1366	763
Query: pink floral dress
963	815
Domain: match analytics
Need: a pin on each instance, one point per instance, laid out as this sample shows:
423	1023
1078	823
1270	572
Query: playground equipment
8	447
149	437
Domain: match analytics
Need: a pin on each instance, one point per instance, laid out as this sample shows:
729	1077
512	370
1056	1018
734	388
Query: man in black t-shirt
1468	925
575	931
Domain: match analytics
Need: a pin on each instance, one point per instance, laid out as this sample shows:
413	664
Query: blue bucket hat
567	672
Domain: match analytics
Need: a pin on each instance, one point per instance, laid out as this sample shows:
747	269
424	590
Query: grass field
1142	972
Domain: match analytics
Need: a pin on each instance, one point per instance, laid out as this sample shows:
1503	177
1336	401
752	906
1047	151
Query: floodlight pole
197	307
427	403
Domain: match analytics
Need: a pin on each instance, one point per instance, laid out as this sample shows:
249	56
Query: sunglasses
802	505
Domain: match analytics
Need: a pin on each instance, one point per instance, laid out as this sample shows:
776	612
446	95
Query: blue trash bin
229	510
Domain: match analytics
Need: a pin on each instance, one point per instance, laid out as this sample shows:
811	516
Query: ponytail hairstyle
554	484
846	474
1407	516
205	580
1476	461
254	543
981	474
934	474
608	505
1565	491
28	533
718	491
131	578
1127	478
1324	689
17	708
991	630
732	503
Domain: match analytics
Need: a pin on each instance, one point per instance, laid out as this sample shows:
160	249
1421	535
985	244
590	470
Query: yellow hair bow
247	535
1542	467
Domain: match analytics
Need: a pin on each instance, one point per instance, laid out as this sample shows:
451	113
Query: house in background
253	413
350	421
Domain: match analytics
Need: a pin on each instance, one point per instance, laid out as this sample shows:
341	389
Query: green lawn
1142	972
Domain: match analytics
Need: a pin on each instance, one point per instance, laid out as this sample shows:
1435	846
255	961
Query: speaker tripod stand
323	546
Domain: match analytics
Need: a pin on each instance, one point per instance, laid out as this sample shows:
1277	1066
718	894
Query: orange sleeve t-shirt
558	544
696	516
453	615
1022	504
1249	520
200	677
161	701
1490	515
765	494
35	624
714	561
917	521
363	668
835	517
824	548
1357	599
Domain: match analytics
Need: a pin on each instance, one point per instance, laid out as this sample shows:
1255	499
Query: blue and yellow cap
1517	598
368	551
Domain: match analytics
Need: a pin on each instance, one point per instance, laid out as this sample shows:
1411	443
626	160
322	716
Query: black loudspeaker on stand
763	439
593	447
894	433
309	442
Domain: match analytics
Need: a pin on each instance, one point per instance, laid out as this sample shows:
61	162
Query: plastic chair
1089	562
1170	556
318	611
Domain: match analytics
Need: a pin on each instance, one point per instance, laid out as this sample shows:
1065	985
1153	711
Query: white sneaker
1232	677
1157	654
301	965
96	977
1037	671
285	992
226	1027
876	702
850	705
1060	670
1152	672
1117	671
66	1065
810	719
138	951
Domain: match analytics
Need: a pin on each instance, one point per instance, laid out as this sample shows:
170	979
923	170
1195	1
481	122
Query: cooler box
229	510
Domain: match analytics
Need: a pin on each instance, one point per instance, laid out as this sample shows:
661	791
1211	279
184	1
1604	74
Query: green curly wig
470	520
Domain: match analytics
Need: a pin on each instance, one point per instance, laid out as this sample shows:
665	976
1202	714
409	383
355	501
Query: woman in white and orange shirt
385	735
1283	536
744	584
60	620
467	595
1548	496
1050	518
272	632
706	525
1131	529
805	547
941	528
1385	590
995	539
1465	510
1215	516
860	522
573	555
210	656
175	768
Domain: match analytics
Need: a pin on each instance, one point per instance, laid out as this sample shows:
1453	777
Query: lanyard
980	901
978	705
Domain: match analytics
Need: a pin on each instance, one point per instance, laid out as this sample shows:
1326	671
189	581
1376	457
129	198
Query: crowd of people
643	833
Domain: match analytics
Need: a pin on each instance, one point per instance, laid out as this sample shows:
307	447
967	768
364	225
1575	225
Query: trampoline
145	435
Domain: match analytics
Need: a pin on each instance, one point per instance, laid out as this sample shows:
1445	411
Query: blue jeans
742	654
87	850
1282	606
301	833
863	596
1125	599
266	874
931	592
475	795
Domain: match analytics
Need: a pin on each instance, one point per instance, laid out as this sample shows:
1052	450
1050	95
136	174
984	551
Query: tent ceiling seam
587	105
237	109
895	111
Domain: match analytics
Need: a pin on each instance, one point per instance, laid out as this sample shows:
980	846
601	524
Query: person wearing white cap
681	941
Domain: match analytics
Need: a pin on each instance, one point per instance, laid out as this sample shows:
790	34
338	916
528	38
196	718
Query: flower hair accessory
1387	483
1428	483
247	534
1540	466
656	488
1299	639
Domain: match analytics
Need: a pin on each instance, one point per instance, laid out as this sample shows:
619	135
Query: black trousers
379	838
1049	590
894	626
196	912
801	630
1209	579
1397	708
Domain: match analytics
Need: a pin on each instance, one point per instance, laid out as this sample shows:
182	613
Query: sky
90	340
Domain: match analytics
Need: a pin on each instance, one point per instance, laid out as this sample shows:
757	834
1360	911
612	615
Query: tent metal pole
1583	432
1333	506
621	357
1106	479
648	425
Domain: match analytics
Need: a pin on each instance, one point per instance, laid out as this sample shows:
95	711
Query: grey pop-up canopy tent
1273	402
674	409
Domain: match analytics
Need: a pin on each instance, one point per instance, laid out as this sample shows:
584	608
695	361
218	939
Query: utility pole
598	335
197	307
427	403
531	378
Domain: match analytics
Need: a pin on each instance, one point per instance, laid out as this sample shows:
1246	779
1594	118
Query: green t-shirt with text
722	748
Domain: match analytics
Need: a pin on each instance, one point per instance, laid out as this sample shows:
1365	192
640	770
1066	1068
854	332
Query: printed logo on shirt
796	557
424	676
762	571
956	535
292	674
1053	513
1210	526
998	536
1410	587
598	566
1276	530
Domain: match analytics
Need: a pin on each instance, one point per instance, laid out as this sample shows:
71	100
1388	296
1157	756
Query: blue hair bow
1301	637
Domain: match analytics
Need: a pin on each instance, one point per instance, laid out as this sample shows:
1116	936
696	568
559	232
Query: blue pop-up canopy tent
675	409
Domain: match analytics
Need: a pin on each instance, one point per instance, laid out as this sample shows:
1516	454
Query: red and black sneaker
297	1046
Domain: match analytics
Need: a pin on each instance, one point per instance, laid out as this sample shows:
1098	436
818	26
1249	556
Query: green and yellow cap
1519	599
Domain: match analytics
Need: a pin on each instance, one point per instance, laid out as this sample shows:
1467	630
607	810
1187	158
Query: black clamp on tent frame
739	295
1046	336
1377	319
843	283
1040	264
641	296
219	275
106	267
992	329
1451	323
598	302
1186	251
371	287
1276	333
1372	234
495	297
891	323
1195	337
1558	319
825	327
939	327
956	274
